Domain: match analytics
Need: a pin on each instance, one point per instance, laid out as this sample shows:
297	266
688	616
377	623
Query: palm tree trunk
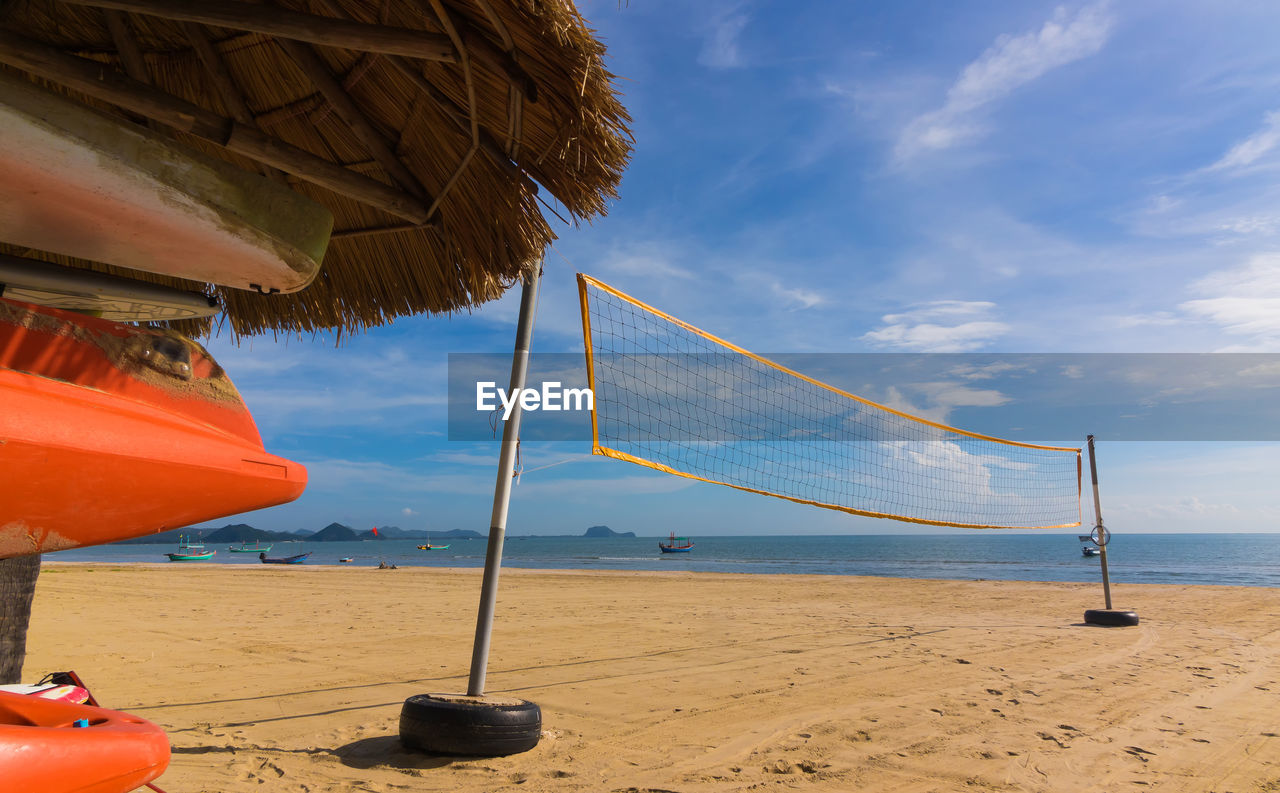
17	588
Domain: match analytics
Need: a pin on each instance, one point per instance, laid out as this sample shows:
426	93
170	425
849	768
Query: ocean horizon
1245	559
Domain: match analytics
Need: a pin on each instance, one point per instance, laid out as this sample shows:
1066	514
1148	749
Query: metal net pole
1099	529
502	489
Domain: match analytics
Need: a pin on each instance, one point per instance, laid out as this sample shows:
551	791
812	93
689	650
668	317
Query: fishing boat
295	559
190	552
675	544
430	547
347	559
62	747
1087	548
257	547
191	556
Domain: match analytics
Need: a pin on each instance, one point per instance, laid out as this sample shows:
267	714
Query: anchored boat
190	552
295	559
675	544
257	547
1087	548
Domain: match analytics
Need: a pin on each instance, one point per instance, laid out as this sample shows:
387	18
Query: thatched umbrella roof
444	114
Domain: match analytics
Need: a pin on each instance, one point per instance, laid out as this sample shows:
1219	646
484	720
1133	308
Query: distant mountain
243	532
335	532
390	533
233	533
459	534
605	531
397	533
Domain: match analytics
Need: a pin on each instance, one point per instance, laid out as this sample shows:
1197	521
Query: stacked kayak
111	431
60	747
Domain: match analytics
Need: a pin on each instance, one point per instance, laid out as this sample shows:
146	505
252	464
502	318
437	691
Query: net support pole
1097	511
502	488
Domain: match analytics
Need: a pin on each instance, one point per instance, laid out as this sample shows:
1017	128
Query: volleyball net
677	399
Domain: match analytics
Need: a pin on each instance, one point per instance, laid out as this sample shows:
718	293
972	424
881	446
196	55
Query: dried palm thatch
440	116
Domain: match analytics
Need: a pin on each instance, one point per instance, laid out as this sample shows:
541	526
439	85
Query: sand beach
291	680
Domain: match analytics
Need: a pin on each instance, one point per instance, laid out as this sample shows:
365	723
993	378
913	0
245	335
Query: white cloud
1154	318
895	399
1251	149
803	298
1257	224
969	371
1244	301
720	50
936	400
1262	370
940	326
951	395
1008	64
654	264
408	512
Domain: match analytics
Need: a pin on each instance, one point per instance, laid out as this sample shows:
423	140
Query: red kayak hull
41	750
113	431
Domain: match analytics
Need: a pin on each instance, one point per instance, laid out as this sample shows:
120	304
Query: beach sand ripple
291	680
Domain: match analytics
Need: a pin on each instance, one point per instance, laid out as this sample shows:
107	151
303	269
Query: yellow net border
586	281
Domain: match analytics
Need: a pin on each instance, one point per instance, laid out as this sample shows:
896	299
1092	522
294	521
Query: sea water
1230	559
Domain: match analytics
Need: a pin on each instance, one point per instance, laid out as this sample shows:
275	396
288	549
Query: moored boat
675	544
1087	548
257	547
190	552
191	556
295	559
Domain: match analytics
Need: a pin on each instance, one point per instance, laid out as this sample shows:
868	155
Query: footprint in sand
270	768
1045	736
1138	752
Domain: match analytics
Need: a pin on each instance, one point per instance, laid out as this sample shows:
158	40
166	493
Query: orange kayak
42	749
111	431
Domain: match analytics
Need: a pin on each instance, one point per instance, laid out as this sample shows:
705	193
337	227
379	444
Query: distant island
605	531
236	533
335	532
595	532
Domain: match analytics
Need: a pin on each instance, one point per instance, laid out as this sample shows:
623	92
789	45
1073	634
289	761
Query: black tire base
1111	617
474	726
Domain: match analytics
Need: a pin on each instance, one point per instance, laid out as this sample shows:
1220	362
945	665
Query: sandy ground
291	679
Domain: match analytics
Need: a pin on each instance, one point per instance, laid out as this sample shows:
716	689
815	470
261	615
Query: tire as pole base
475	726
1110	617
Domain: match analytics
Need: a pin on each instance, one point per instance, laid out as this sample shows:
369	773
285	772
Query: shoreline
477	570
1248	560
674	680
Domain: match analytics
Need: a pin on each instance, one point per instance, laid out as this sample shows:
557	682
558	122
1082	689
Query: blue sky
1004	177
